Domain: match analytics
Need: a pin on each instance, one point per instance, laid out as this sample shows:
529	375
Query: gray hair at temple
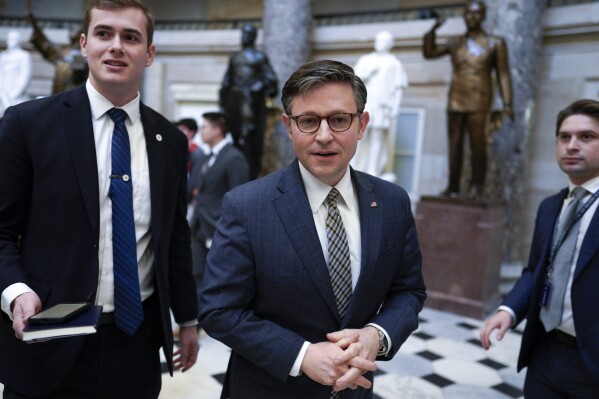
317	73
586	107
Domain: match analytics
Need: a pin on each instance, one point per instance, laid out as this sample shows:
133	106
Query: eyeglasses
338	123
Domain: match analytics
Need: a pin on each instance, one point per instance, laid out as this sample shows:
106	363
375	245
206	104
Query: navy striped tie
128	311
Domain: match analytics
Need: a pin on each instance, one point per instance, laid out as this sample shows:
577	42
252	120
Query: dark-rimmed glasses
338	122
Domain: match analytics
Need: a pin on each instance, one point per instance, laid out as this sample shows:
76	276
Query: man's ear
364	119
151	54
287	122
82	44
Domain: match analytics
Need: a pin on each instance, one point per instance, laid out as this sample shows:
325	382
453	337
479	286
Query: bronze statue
248	81
71	67
474	57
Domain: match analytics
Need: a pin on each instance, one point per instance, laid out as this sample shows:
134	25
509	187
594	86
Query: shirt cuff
10	294
511	312
386	336
296	369
188	323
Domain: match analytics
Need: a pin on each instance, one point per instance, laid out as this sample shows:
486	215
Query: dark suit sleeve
238	171
15	193
182	286
519	297
170	230
228	290
405	296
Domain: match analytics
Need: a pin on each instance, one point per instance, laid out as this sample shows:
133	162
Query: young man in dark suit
92	208
557	292
213	175
315	270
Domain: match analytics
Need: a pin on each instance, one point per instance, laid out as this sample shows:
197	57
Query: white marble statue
385	80
15	72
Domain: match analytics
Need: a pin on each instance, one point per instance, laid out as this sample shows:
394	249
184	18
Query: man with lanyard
559	344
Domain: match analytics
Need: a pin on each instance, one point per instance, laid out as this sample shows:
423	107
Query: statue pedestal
461	244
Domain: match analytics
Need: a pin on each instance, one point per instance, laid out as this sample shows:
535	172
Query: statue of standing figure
249	80
15	72
71	67
385	79
474	57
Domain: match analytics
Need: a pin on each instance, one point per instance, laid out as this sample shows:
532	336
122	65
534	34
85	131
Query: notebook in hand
85	323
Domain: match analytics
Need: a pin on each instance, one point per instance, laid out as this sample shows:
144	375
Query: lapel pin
159	137
373	204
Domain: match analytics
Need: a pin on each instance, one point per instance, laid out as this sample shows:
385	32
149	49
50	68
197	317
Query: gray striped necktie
339	263
551	316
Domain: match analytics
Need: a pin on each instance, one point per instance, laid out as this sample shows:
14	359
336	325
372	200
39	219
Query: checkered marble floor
443	359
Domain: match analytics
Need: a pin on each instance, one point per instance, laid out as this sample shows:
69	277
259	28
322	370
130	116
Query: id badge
545	294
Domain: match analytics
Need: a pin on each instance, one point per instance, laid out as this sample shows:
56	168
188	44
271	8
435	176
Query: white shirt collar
218	148
317	191
591	185
100	104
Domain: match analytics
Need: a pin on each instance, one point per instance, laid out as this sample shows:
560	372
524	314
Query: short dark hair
117	5
217	119
189	123
586	107
317	73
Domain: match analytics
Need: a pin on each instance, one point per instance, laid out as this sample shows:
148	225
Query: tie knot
578	193
332	197
117	115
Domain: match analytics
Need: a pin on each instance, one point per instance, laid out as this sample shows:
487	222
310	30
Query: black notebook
85	323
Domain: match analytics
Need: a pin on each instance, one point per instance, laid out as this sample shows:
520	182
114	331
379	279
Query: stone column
520	23
287	26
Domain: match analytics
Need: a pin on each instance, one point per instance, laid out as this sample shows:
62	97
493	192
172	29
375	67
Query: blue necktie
128	311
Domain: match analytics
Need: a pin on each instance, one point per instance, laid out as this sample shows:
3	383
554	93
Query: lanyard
558	242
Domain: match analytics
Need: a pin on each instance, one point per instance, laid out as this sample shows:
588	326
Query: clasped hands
342	361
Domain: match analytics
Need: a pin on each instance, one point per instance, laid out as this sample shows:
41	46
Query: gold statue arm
504	78
430	48
39	40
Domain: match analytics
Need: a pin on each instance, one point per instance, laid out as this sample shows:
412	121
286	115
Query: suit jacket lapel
371	220
156	167
76	119
294	211
590	244
549	220
218	163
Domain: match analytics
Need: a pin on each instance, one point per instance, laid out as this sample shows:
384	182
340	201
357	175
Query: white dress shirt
216	150
102	128
347	204
591	186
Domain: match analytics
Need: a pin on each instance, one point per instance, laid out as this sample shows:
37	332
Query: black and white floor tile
443	359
